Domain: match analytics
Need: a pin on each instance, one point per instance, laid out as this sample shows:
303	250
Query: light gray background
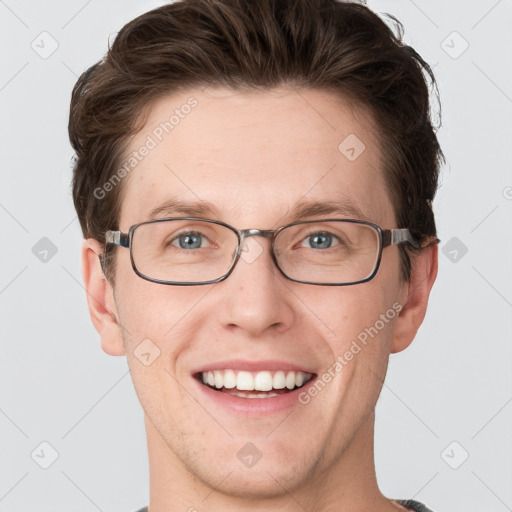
452	384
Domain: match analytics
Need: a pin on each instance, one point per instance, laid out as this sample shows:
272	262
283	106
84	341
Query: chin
259	484
277	475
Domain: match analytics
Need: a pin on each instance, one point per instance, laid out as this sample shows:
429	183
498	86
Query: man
254	181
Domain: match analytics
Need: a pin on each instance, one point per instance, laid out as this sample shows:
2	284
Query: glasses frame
387	237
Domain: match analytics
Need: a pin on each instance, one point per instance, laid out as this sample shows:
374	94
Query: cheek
345	312
362	352
152	316
360	322
388	277
156	329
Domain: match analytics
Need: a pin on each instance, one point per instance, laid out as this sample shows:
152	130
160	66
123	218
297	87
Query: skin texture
254	155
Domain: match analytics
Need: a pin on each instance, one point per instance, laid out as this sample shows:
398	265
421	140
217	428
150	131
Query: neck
348	483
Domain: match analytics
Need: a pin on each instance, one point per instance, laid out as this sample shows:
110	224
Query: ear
100	299
415	298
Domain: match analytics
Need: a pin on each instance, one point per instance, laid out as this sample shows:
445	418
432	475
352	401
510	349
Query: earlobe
100	299
414	305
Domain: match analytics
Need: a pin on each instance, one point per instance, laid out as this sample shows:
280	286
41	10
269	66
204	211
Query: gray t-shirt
411	504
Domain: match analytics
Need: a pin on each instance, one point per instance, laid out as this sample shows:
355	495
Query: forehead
255	158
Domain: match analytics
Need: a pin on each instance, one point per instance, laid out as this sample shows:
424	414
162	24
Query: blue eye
191	240
320	240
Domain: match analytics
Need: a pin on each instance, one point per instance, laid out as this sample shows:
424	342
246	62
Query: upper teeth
259	381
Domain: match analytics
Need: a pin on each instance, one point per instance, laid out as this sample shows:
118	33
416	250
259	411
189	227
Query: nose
256	297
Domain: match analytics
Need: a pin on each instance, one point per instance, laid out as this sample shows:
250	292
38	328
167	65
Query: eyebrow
344	207
174	206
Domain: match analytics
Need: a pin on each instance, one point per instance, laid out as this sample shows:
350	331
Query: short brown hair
259	44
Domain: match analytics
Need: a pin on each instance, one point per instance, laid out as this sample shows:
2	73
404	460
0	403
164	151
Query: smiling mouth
264	384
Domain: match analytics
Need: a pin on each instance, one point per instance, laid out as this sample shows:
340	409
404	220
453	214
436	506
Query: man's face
255	156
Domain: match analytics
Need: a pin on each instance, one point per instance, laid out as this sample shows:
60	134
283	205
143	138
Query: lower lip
269	405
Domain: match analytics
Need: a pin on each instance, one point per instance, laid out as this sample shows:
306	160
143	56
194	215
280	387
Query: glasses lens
182	251
334	252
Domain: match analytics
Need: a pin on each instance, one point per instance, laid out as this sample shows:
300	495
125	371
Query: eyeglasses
195	251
